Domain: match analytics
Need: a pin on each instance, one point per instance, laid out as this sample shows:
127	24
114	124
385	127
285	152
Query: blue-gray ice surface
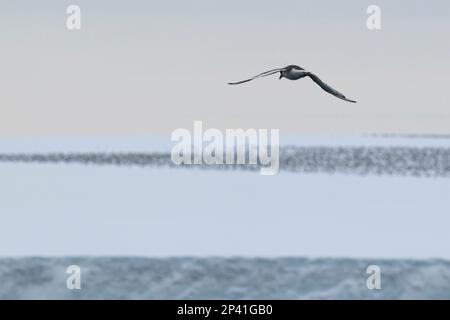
61	210
219	278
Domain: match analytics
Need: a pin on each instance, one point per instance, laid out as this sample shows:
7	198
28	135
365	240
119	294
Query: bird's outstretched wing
327	88
264	74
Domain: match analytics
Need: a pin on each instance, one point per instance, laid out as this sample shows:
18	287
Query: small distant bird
293	72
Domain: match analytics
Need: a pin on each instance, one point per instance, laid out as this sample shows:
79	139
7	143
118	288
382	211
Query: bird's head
281	76
293	67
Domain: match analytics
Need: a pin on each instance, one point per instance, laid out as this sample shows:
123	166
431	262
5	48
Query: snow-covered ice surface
50	210
220	278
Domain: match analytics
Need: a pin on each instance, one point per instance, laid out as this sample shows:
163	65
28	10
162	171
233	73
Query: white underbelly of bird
293	72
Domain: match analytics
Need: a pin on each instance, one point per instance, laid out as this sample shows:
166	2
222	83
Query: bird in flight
293	72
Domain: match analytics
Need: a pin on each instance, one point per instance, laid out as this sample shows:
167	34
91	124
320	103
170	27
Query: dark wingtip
239	82
352	101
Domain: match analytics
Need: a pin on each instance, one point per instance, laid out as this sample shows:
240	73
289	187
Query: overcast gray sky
143	67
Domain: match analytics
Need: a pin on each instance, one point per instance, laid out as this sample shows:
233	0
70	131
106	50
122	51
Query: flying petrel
293	72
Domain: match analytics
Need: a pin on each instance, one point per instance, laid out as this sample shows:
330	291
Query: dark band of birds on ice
373	160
